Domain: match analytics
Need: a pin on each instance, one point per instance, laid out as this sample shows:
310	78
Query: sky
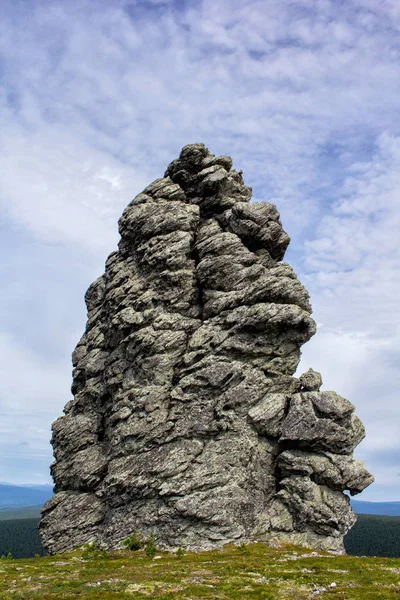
97	97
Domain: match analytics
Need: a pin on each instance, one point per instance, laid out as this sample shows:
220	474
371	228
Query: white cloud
354	261
33	389
353	276
70	193
29	382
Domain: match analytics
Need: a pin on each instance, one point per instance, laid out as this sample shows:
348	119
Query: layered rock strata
186	418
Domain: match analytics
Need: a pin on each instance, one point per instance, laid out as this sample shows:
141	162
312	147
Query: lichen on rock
186	418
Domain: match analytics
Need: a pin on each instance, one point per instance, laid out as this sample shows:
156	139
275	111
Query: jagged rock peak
186	418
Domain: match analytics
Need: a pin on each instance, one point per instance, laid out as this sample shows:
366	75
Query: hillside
374	535
20	537
255	572
30	512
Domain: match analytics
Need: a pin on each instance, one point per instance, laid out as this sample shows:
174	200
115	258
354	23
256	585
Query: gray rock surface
186	419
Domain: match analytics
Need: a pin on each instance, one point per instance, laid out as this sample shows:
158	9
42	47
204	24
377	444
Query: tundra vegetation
254	571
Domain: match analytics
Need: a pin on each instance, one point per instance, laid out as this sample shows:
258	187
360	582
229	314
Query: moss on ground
253	572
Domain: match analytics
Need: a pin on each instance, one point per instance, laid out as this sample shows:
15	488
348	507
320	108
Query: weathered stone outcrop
186	418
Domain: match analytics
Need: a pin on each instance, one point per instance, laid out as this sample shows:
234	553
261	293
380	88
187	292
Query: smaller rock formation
186	418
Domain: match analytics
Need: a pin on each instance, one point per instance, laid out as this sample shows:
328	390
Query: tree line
20	538
374	535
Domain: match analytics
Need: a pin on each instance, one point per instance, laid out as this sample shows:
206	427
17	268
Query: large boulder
186	419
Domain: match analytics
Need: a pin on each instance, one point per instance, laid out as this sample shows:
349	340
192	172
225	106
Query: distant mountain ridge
389	509
19	496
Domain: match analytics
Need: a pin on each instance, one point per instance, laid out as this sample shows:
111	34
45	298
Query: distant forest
21	538
372	535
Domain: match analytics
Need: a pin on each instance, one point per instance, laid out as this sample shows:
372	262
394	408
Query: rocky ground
246	572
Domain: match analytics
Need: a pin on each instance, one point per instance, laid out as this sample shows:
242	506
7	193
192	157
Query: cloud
98	97
352	271
32	390
70	193
353	262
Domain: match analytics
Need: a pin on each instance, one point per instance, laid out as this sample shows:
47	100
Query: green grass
256	572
